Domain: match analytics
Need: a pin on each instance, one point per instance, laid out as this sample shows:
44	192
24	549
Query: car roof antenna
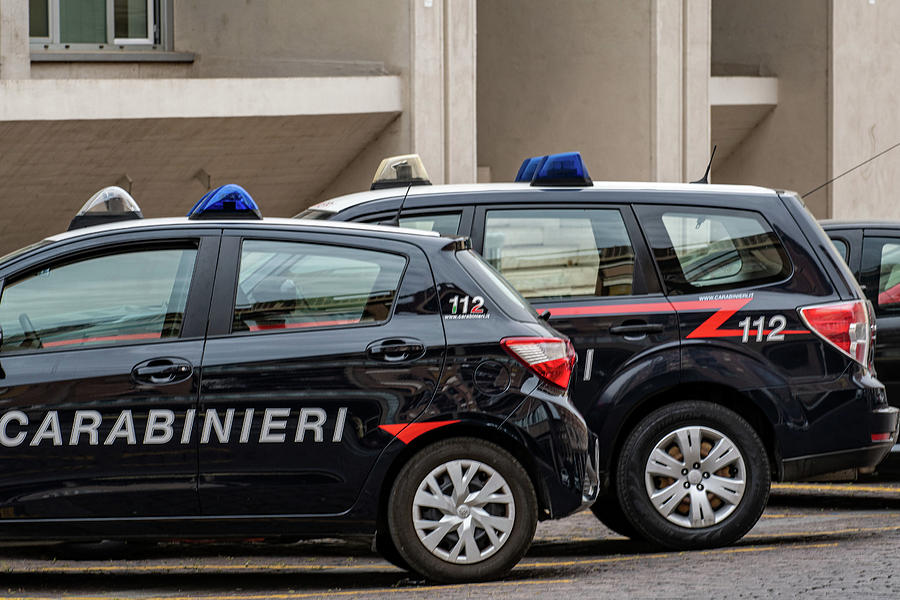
396	220
705	178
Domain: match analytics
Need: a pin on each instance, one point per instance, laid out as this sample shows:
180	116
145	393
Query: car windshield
314	215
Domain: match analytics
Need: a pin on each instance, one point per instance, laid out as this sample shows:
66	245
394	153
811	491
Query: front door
99	373
314	344
589	268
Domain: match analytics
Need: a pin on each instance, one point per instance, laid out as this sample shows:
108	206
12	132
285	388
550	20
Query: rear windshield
497	288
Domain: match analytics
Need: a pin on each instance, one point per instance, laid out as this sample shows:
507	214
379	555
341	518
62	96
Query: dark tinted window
842	248
113	299
561	253
291	285
713	249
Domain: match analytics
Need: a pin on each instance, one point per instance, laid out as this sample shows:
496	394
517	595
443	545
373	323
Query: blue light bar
226	202
528	168
565	169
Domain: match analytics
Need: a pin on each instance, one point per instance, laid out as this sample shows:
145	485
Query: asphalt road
815	540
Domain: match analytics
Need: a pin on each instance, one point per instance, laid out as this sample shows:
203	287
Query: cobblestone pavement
814	541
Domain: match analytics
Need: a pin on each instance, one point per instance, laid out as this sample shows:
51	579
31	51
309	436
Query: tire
714	509
609	512
453	557
384	545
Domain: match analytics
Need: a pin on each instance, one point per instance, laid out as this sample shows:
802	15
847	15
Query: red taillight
844	325
551	359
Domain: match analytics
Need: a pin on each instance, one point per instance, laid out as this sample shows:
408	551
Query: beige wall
623	82
866	108
587	89
789	148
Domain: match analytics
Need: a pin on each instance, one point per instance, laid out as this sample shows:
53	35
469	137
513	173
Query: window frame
651	215
160	21
221	314
645	281
193	324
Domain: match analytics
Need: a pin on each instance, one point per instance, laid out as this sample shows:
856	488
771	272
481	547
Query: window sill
111	56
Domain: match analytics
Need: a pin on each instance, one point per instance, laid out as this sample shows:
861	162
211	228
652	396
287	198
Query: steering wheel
32	339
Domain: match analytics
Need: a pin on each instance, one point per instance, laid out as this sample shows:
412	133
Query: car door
585	265
315	342
99	368
880	277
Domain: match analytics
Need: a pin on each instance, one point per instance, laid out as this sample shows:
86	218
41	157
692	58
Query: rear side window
713	249
124	298
561	253
447	223
292	285
842	248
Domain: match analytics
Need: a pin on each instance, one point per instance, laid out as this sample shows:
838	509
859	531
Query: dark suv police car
722	342
226	376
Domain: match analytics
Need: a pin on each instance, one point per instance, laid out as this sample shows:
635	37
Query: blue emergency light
229	201
564	169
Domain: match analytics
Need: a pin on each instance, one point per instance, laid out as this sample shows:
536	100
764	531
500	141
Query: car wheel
462	509
608	510
693	475
384	545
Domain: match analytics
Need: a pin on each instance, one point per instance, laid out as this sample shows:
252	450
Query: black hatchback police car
231	376
722	342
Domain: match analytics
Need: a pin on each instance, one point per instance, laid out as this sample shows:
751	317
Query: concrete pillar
460	139
666	96
426	83
696	22
15	54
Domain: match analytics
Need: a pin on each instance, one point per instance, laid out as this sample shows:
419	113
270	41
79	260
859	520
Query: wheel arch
715	393
494	432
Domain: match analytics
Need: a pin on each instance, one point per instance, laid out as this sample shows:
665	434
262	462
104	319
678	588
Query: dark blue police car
231	376
722	341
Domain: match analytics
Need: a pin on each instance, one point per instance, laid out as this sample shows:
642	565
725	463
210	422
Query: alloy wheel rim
463	511
695	477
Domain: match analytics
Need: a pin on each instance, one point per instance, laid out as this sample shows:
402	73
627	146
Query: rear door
99	373
880	278
316	340
589	267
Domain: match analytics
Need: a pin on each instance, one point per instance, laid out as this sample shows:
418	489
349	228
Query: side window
292	285
112	299
561	253
881	273
447	223
842	248
710	249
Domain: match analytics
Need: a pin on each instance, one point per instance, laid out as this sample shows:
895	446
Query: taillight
844	325
551	359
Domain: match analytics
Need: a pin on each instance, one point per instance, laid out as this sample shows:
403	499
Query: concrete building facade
298	100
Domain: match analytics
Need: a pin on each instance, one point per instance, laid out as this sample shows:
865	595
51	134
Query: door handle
161	371
396	349
636	330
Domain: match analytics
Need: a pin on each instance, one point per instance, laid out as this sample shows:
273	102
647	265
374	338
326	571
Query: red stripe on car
407	432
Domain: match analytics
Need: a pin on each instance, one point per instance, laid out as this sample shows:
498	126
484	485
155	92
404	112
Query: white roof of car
341	203
275	222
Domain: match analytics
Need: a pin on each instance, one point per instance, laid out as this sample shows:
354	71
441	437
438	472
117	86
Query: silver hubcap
695	477
463	511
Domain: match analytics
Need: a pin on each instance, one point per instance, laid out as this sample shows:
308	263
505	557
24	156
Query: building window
98	24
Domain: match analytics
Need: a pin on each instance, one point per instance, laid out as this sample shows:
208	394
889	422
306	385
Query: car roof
341	203
139	224
852	224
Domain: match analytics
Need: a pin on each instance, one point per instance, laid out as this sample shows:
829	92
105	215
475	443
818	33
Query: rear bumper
883	424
